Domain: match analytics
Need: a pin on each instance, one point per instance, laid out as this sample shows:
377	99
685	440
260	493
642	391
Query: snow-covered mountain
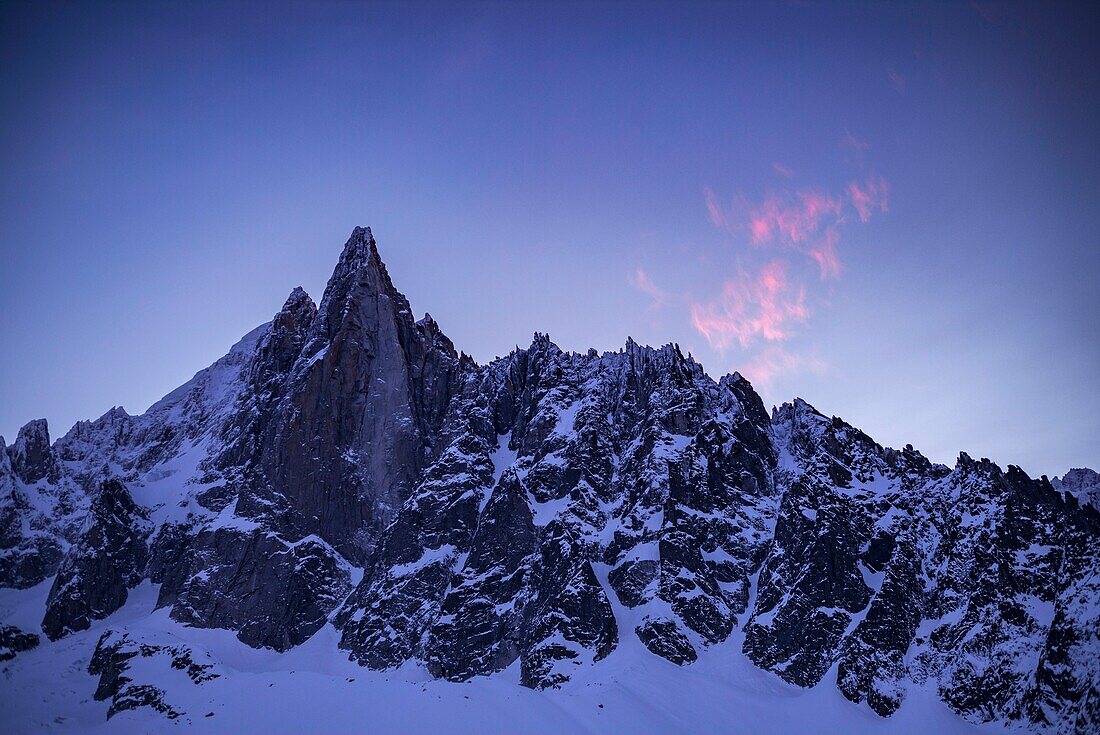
345	494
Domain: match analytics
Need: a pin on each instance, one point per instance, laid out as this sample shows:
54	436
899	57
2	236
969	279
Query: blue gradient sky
171	173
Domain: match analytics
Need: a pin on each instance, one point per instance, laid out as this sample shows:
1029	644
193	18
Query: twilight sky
891	211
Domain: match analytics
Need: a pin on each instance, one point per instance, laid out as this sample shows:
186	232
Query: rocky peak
966	463
282	344
747	398
298	297
265	378
359	279
667	356
88	437
360	408
32	456
1081	482
542	349
7	475
799	409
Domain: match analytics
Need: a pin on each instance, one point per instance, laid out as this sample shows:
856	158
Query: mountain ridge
545	508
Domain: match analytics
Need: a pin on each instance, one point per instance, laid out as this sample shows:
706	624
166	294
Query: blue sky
889	210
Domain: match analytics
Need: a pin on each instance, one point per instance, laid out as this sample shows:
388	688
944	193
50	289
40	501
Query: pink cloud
807	222
640	280
823	252
794	220
871	195
761	306
759	311
775	360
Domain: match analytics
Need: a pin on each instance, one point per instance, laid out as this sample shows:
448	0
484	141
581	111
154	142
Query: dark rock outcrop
14	641
569	620
106	561
31	547
111	662
872	664
480	628
274	593
26	559
385	620
265	382
32	456
363	404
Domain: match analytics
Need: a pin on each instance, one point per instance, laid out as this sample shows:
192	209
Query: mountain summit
344	481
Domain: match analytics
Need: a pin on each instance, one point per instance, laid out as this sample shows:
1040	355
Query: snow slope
313	687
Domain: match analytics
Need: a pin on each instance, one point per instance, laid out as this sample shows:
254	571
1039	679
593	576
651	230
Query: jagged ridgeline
345	465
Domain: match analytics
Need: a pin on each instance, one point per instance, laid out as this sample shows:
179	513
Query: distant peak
736	381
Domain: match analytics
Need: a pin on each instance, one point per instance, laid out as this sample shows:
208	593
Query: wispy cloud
641	280
823	252
715	212
775	360
872	194
805	222
763	305
791	220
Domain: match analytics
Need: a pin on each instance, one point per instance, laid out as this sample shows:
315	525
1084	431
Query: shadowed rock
362	406
107	560
274	593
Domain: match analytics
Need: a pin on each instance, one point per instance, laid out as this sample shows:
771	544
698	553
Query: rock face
543	511
265	378
274	593
902	571
107	560
31	540
411	572
362	403
480	629
570	619
32	456
14	641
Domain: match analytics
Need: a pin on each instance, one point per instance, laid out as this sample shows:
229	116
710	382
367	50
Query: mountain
345	492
